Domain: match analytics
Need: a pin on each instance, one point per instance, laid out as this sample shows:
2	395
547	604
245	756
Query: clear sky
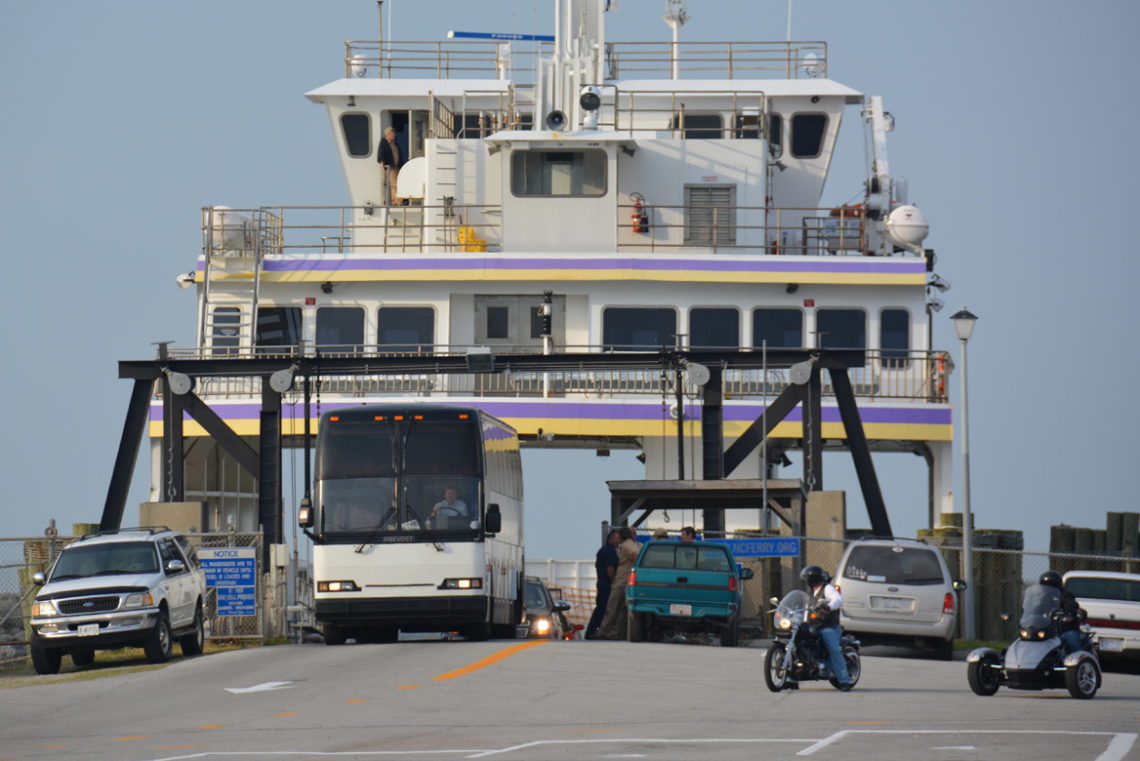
1016	127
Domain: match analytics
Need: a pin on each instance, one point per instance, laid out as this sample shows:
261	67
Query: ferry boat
573	194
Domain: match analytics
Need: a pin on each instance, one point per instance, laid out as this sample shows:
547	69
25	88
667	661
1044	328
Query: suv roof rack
152	530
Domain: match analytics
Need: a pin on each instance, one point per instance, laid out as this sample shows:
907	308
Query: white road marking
263	687
1117	749
656	740
954	747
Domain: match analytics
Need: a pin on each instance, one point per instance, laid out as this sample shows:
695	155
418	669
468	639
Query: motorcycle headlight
785	623
1041	634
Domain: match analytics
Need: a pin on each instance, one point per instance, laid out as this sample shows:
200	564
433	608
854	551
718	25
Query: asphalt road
550	701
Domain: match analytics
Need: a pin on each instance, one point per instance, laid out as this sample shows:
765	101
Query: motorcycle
797	653
1036	660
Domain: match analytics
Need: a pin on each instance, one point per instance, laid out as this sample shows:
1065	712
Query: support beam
813	432
134	427
712	442
243	453
860	453
173	450
757	432
269	472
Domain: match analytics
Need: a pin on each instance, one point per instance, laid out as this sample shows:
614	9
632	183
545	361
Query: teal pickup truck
685	588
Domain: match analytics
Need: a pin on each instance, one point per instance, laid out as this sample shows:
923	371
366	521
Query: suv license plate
680	610
1111	644
88	630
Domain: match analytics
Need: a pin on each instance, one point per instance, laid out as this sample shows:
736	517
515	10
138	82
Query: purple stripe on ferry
596	411
859	266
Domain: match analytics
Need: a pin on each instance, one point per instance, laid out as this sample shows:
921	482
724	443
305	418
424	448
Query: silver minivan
898	592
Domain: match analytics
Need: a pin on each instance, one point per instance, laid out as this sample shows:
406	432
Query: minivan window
893	565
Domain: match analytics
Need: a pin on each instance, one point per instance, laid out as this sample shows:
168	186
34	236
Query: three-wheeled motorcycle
1036	660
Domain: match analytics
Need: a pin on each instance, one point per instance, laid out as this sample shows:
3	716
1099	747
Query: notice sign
232	571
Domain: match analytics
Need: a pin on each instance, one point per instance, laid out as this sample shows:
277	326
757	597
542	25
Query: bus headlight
337	586
461	584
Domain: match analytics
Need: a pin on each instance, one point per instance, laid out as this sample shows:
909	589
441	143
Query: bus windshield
381	477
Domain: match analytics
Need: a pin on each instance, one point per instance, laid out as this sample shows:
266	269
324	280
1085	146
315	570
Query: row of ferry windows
623	328
805	137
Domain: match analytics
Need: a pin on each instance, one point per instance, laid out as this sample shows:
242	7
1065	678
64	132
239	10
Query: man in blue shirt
605	564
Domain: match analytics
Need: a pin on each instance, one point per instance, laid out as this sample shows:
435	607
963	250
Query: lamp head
964	321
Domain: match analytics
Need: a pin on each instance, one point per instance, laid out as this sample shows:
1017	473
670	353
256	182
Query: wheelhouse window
474	125
278	326
841	329
638	328
341	327
225	330
775	135
748	126
710	215
558	173
357	131
808	131
406	328
894	337
699	126
780	328
714	328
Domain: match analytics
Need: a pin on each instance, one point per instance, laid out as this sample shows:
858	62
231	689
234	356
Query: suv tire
193	643
82	657
159	644
46	660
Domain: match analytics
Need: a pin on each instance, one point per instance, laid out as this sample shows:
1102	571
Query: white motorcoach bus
416	523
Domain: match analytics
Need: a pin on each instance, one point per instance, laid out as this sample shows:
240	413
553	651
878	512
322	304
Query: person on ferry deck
391	158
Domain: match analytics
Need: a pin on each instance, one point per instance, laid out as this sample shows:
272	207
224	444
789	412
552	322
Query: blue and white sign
763	546
232	571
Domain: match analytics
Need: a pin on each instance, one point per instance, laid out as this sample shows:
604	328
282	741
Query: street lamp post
964	326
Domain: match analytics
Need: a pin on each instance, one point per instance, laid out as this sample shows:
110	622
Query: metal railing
516	59
907	375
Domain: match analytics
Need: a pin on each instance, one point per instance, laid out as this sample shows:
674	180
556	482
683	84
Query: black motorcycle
1036	660
798	653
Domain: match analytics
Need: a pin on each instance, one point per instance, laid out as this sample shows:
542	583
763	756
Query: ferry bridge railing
886	375
516	59
236	234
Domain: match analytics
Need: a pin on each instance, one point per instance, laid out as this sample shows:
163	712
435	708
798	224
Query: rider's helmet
813	576
1051	579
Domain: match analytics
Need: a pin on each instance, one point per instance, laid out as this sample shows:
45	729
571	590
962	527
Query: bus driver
450	511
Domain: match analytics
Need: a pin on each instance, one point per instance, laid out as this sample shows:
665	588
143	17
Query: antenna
675	17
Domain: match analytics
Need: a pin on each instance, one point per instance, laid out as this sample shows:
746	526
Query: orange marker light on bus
334	418
417	417
464	416
397	417
378	417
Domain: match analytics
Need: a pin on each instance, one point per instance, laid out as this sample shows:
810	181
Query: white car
1112	601
141	587
898	592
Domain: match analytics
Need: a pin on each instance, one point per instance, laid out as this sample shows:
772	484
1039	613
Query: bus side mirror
305	516
494	522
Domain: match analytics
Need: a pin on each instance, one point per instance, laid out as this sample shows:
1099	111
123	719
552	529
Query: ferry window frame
330	310
292	325
520	159
795	134
895	354
405	347
225	344
747	126
821	337
776	135
757	343
354	139
610	341
697	344
698	131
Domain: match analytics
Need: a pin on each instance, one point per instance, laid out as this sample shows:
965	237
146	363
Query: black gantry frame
264	463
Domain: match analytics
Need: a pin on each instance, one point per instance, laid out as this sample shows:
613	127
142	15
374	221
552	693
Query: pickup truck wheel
730	637
159	644
636	627
82	657
46	660
193	642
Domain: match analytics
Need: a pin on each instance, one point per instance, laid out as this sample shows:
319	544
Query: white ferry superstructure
635	195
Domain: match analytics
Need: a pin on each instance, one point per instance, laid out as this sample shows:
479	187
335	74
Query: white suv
898	592
140	587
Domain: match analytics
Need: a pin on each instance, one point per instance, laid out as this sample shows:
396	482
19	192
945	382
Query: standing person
391	158
688	535
614	625
605	565
1073	614
827	599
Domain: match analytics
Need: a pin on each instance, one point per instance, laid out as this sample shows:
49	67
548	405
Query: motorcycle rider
827	602
1072	614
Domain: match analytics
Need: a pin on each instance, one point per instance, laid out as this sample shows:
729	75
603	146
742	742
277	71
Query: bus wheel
380	635
333	635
